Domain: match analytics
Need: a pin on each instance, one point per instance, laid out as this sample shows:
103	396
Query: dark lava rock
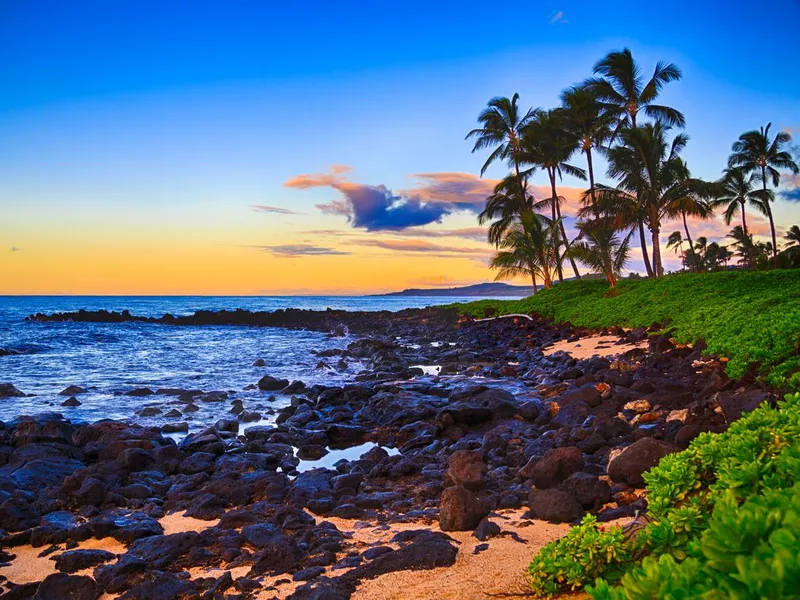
73	401
588	490
72	390
139	392
460	510
77	560
307	574
466	468
60	586
91	493
271	384
9	391
554	467
638	458
556	506
486	529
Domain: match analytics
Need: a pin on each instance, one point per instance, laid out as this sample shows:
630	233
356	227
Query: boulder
629	465
72	390
9	391
60	586
78	560
554	505
466	468
272	384
554	467
460	509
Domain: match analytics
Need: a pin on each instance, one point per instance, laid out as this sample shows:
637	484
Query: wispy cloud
557	18
15	249
274	209
477	234
442	281
792	191
418	246
297	250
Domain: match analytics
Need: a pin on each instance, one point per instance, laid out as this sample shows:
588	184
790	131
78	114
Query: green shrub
724	522
747	316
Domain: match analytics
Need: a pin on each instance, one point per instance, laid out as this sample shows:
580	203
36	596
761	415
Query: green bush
746	316
724	522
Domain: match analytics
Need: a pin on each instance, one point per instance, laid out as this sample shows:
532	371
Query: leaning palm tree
693	203
548	144
530	247
621	87
746	249
502	122
601	248
650	171
585	118
792	236
737	190
675	243
755	152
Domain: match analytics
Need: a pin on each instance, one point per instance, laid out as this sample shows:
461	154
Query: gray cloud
274	209
297	250
15	249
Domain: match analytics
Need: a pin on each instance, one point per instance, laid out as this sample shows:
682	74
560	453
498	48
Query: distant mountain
479	289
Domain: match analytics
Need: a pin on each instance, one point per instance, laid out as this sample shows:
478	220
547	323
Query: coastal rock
71	402
9	391
466	468
271	384
642	455
72	390
554	505
78	560
588	490
554	467
60	586
460	510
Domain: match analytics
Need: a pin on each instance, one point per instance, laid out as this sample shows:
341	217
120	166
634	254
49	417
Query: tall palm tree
792	236
585	118
737	190
502	122
621	87
650	170
531	247
746	250
755	152
549	144
601	249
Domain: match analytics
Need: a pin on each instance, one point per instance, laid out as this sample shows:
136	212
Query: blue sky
161	124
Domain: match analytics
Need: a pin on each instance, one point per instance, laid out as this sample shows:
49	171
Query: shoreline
589	411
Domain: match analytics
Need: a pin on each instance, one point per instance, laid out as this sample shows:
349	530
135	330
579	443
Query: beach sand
587	347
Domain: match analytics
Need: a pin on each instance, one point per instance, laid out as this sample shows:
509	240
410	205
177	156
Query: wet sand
587	347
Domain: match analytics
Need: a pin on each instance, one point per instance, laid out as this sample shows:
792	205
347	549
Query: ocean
109	359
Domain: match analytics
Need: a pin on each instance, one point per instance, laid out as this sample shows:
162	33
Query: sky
318	148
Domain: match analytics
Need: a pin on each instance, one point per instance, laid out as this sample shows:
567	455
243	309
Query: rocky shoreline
515	420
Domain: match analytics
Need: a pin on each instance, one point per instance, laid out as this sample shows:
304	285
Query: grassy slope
745	316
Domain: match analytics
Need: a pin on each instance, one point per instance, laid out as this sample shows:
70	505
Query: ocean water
109	358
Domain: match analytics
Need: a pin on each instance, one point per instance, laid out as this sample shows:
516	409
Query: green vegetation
746	316
723	522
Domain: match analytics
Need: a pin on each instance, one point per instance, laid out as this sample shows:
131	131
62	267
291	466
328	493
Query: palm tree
792	236
507	202
530	246
549	145
692	204
755	152
502	124
601	249
585	118
654	181
746	249
675	243
624	92
736	191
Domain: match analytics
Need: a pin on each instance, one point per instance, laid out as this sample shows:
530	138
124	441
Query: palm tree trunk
643	244
533	278
696	265
658	268
557	207
744	220
553	202
591	180
769	211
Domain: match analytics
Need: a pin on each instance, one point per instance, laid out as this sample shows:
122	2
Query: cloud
792	195
557	18
442	281
418	246
274	209
297	250
15	249
375	207
463	191
477	234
